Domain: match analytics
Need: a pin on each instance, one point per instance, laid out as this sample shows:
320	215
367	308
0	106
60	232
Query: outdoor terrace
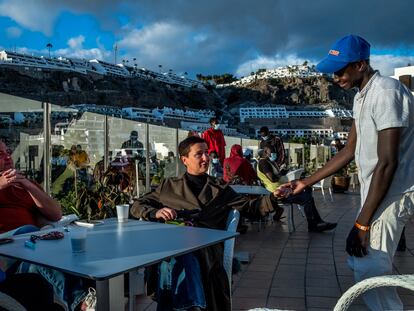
303	271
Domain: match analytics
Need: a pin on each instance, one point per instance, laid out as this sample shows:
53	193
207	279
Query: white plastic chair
232	222
296	174
228	254
325	183
405	281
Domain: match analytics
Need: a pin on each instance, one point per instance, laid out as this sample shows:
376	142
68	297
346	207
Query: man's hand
283	191
357	242
166	214
298	186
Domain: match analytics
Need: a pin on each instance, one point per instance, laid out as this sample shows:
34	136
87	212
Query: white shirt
384	103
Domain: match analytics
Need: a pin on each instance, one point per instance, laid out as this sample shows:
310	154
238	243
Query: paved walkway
303	271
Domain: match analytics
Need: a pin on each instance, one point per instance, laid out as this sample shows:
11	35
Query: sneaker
89	304
321	226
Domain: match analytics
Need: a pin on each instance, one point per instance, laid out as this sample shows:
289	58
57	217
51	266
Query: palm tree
49	46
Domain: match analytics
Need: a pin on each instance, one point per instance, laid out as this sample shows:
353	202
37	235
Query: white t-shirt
384	103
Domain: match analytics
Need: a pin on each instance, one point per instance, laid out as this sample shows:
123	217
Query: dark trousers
306	200
30	290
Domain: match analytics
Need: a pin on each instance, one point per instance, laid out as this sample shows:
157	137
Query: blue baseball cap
349	49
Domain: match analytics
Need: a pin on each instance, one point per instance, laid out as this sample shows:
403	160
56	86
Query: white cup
78	239
122	211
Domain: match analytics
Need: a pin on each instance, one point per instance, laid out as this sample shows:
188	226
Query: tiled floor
303	271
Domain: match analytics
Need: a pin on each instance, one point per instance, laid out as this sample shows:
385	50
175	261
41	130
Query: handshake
288	189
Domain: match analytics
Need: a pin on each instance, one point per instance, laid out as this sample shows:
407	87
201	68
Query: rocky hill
293	91
70	88
64	89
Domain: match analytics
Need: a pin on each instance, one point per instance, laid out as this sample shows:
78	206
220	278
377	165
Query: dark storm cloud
248	29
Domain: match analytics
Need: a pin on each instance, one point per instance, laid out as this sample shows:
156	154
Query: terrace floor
303	271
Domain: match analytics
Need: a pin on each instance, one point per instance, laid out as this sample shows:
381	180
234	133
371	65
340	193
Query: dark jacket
215	202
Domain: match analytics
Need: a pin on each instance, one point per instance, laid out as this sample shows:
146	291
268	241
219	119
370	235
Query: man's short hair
134	133
214	119
264	129
185	146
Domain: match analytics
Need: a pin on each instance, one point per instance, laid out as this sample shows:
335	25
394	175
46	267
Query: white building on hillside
201	127
280	112
405	75
109	69
323	133
298	71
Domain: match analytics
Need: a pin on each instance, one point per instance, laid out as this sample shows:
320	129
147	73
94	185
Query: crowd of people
380	140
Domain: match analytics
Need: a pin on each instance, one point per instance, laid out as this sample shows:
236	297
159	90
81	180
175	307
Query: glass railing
86	153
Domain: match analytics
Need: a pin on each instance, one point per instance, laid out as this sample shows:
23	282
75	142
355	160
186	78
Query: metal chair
405	281
325	183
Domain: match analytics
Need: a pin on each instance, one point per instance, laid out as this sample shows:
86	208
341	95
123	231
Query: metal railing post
47	107
106	143
147	159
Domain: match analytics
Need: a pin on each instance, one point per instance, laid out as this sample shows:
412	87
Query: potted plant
99	201
342	179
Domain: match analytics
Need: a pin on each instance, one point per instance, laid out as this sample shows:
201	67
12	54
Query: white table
113	249
245	189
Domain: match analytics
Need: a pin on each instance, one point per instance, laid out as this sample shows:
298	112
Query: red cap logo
334	52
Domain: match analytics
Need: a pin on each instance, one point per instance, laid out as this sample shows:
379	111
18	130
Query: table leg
110	294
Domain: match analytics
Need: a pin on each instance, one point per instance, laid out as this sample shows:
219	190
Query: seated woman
269	175
206	286
238	170
23	206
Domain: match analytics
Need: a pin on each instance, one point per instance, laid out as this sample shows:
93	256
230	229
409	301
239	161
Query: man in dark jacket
195	190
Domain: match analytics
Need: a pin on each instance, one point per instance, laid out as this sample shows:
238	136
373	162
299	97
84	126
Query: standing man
381	139
275	143
215	139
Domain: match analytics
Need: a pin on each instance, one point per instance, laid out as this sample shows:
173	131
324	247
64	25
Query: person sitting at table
271	178
25	207
238	170
215	169
21	200
204	284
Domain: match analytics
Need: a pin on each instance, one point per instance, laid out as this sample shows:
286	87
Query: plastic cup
122	212
78	239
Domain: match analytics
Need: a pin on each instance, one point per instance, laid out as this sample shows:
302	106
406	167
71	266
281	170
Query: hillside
293	91
65	88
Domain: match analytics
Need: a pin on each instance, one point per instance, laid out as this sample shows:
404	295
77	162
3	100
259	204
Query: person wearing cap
215	139
381	140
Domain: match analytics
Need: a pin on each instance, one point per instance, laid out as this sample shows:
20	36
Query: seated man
192	191
268	172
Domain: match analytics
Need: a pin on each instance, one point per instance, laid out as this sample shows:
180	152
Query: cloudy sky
208	37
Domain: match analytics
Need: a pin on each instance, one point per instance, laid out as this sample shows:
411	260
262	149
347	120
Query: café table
251	190
114	249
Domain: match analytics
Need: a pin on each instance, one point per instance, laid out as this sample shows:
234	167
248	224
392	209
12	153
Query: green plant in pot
342	179
98	201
